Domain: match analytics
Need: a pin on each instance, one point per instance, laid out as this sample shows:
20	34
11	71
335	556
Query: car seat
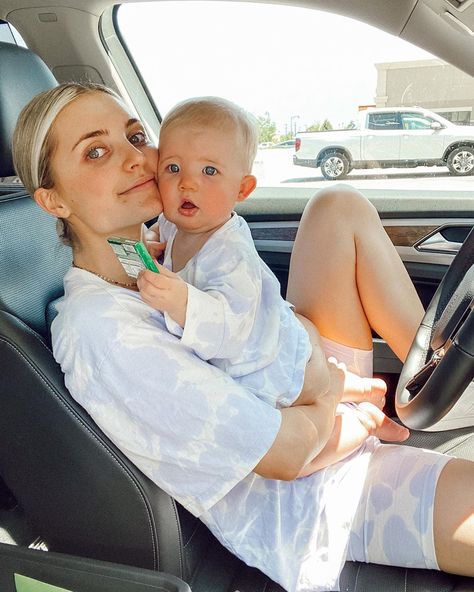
80	494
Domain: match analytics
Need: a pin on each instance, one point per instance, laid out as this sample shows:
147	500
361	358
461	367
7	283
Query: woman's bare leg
454	518
346	276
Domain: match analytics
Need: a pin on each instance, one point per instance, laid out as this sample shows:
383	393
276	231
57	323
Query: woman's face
103	168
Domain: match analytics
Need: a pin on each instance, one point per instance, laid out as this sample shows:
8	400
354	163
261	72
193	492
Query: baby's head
207	147
216	113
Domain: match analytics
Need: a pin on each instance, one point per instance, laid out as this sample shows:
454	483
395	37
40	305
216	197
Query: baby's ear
247	185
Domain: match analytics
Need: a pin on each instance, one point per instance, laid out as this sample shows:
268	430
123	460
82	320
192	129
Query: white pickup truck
389	137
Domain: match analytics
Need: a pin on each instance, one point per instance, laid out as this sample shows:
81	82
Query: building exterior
431	84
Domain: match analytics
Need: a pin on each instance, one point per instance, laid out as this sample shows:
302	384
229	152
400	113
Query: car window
8	34
328	78
414	121
384	121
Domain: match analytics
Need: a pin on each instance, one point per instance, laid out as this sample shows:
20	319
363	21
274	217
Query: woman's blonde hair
34	143
215	112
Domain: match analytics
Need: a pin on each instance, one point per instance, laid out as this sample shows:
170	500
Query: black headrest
22	75
32	262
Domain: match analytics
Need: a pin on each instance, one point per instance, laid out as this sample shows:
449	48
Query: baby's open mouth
187	208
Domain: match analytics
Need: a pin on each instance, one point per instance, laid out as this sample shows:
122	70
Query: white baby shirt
236	318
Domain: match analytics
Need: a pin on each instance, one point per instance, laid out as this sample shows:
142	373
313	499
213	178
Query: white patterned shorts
393	524
394	521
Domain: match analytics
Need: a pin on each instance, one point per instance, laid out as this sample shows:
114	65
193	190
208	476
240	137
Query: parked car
285	144
395	137
65	488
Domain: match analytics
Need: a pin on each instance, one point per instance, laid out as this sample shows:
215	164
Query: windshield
301	71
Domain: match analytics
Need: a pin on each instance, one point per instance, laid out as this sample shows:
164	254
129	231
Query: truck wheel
461	161
334	165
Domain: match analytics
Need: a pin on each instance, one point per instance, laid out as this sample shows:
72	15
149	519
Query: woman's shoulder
88	303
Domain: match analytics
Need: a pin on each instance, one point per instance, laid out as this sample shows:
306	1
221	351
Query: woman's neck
96	255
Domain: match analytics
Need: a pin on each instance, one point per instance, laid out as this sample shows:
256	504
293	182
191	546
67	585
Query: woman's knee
341	202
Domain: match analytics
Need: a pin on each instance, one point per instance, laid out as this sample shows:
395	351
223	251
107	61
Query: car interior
74	511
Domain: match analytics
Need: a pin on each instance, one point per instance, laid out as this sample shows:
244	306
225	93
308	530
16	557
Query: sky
299	65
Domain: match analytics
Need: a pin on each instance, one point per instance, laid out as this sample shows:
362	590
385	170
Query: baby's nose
188	182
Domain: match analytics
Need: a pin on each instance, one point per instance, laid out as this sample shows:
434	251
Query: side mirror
436	125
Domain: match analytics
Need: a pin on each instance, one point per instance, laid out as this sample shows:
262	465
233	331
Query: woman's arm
304	432
353	425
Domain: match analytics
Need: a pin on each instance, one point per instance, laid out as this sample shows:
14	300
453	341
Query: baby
216	293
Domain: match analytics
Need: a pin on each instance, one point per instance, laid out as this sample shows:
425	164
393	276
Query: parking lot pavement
275	167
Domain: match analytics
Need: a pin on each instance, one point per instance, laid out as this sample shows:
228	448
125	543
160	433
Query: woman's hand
304	432
376	423
353	425
165	291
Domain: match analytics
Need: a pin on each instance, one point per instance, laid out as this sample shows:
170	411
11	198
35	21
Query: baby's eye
172	168
95	153
138	138
209	170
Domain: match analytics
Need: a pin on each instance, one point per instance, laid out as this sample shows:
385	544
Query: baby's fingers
375	390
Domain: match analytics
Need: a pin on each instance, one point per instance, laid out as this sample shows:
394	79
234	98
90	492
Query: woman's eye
95	153
209	170
173	168
138	138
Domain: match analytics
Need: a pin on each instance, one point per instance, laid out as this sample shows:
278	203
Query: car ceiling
442	27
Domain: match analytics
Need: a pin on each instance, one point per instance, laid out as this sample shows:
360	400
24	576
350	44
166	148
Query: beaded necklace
107	279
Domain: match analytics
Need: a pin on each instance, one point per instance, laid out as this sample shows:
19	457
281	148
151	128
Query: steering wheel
440	363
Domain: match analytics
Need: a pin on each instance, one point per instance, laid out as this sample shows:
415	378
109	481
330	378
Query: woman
225	455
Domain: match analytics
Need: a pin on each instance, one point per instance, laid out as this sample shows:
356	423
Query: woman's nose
133	157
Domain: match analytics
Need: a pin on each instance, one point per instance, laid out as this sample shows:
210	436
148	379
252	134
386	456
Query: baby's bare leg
346	276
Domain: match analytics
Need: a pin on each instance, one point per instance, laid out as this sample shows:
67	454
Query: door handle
436	243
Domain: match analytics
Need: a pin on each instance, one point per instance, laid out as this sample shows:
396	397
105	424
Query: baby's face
200	171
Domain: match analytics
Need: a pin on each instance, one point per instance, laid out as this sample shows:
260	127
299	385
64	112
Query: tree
320	127
266	128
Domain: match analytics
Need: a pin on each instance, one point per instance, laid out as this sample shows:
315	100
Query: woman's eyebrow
88	135
102	132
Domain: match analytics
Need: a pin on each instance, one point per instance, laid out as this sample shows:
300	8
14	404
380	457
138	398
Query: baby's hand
165	291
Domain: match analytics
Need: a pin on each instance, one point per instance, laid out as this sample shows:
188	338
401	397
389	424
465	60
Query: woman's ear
247	185
48	200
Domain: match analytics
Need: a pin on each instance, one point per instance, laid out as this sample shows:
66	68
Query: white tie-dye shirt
198	435
236	318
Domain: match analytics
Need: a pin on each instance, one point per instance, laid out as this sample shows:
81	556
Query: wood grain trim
407	236
401	236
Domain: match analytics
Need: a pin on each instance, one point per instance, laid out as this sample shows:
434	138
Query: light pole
293	118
